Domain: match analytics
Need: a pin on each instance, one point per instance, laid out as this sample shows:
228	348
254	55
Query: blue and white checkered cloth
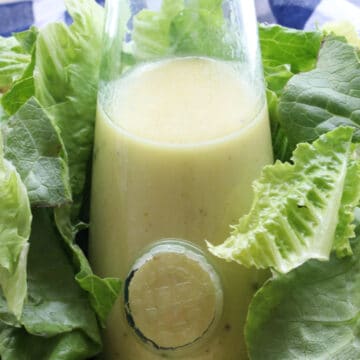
18	15
308	14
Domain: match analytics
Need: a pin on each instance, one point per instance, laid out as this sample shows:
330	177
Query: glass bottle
182	131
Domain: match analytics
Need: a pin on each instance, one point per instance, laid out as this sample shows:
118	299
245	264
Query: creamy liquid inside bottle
178	143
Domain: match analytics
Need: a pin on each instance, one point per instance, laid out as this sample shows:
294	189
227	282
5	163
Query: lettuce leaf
200	29
17	344
65	79
14	59
3	115
102	291
299	209
311	312
151	30
285	52
22	87
49	133
20	90
276	78
15	223
320	100
281	45
33	145
181	28
65	82
58	321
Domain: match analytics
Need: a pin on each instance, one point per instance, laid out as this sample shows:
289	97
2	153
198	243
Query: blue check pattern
18	15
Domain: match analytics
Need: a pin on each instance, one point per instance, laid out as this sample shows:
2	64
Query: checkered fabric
18	15
308	14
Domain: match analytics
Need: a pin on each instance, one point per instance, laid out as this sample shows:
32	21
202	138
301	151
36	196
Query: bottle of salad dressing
178	144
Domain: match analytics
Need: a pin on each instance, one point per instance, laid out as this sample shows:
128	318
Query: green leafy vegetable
65	82
21	90
318	101
311	312
284	52
58	321
17	344
299	207
48	125
23	87
15	222
102	291
181	28
27	39
280	45
3	115
276	78
150	34
65	79
200	30
33	145
14	59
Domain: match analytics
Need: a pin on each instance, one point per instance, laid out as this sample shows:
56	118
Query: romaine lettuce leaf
20	90
13	61
318	101
33	145
299	208
181	28
57	91
102	292
284	52
200	29
66	79
310	313
15	223
151	30
17	344
3	115
58	321
276	78
281	45
22	87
